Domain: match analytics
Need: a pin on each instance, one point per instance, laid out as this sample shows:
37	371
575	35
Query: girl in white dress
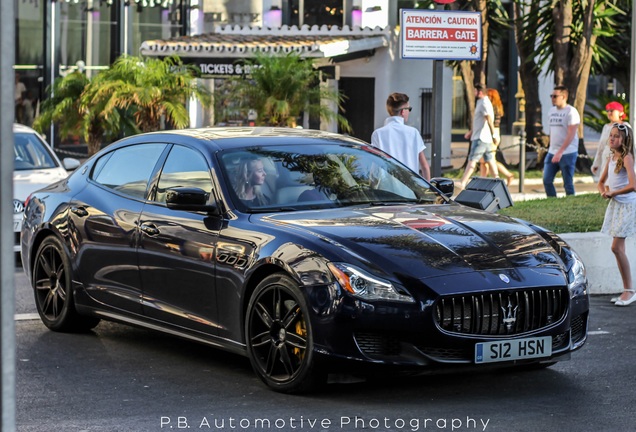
618	184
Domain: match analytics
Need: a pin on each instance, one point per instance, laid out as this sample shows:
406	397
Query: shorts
479	149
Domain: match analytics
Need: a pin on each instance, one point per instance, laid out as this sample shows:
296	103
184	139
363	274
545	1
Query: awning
244	42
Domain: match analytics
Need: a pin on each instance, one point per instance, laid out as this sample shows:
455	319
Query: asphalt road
119	378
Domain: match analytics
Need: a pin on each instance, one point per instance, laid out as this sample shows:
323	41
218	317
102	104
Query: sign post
440	35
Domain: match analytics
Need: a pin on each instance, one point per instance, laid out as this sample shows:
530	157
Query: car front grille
560	341
502	312
374	344
578	329
448	354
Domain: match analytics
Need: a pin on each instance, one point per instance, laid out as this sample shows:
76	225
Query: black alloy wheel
280	338
52	285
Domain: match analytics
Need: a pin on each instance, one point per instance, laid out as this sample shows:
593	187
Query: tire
52	287
279	337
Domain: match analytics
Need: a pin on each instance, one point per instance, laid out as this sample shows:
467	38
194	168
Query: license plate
514	349
17	226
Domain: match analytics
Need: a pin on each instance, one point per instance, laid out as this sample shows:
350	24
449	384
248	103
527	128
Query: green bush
579	213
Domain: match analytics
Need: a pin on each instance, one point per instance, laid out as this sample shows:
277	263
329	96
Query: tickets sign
441	35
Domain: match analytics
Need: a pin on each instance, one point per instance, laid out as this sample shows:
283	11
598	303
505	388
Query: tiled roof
236	41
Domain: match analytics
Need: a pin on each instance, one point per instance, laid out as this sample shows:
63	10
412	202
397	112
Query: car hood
28	181
426	241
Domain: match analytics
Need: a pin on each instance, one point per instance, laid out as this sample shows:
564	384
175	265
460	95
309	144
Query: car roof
17	127
237	137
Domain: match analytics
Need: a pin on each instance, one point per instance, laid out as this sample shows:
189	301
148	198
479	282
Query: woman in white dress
618	184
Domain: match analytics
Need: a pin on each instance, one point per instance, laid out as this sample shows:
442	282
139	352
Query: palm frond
280	89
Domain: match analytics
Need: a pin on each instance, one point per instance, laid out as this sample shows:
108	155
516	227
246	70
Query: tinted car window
30	153
128	169
184	167
314	176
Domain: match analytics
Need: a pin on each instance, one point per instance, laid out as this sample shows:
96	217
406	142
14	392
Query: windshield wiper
282	208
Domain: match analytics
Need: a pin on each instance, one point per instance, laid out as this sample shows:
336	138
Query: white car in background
35	166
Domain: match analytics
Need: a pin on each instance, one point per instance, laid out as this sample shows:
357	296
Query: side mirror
189	199
445	185
70	164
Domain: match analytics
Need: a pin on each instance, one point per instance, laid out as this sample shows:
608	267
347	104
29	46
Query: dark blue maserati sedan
309	252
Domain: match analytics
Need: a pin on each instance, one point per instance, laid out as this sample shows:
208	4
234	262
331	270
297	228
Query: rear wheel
280	337
53	289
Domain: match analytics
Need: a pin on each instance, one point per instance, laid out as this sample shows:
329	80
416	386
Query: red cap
616	106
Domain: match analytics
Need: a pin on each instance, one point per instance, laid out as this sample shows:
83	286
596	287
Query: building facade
358	43
54	37
355	42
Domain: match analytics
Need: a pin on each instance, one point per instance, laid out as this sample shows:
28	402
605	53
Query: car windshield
30	153
301	177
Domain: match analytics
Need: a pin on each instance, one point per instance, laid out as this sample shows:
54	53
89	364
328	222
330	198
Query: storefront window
29	61
316	12
86	32
154	22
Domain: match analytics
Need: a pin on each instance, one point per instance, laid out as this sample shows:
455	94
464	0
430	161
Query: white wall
375	13
602	271
394	74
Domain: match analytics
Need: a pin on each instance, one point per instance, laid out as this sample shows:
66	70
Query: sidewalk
532	187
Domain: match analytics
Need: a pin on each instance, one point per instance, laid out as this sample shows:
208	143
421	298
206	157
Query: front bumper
409	335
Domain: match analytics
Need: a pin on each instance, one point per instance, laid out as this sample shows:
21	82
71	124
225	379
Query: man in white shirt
564	143
401	141
482	135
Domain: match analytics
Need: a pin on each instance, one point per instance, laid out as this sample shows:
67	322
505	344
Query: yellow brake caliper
301	330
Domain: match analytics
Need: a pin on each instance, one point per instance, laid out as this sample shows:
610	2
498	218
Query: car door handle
80	211
150	229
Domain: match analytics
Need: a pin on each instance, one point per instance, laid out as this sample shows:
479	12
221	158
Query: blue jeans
566	165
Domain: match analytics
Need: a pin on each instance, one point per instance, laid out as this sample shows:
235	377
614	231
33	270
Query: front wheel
53	289
279	337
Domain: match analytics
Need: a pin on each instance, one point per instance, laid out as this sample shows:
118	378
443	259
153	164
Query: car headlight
577	277
365	286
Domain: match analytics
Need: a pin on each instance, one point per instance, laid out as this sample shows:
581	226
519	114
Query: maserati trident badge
509	315
504	278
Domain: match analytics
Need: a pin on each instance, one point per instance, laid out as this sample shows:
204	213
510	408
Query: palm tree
494	27
62	107
568	45
526	29
69	107
573	40
132	96
617	43
148	91
280	89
